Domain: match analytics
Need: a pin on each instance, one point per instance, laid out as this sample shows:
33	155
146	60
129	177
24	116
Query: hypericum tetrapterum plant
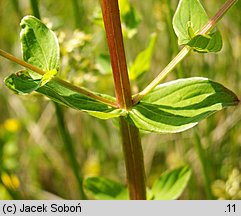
161	108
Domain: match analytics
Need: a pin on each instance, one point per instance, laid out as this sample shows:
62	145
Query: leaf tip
26	19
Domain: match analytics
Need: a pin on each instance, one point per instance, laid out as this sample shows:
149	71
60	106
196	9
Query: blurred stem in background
174	49
35	8
204	164
17	8
64	132
68	144
78	13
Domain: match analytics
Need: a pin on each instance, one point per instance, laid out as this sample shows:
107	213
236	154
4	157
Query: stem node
131	141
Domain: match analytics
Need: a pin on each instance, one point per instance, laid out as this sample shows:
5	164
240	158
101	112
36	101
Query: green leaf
22	83
105	189
39	46
179	105
97	18
171	184
48	76
209	43
189	18
104	64
143	60
130	18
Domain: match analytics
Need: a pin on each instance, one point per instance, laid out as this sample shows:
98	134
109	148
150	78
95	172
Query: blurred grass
34	153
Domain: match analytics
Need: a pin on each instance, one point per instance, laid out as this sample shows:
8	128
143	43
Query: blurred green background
34	163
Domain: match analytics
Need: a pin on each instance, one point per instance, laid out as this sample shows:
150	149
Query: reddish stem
111	16
133	160
131	141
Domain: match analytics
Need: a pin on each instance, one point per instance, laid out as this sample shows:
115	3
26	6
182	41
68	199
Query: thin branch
217	17
60	81
183	53
180	56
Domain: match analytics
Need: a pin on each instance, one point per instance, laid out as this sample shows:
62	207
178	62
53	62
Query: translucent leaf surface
48	76
171	184
188	20
39	46
179	105
205	44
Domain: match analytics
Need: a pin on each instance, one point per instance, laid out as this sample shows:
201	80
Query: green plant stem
60	81
64	132
35	8
185	50
204	164
78	13
131	140
180	56
173	38
218	16
69	147
17	7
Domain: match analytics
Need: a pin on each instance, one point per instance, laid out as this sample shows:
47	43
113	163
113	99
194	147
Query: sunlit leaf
39	47
130	18
97	18
209	43
143	60
105	189
48	76
24	84
188	20
171	184
179	105
104	64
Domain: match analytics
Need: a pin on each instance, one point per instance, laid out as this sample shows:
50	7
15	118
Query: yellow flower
229	189
92	167
11	125
10	181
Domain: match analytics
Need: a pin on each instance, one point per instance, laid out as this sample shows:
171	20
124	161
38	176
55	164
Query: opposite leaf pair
168	186
169	108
